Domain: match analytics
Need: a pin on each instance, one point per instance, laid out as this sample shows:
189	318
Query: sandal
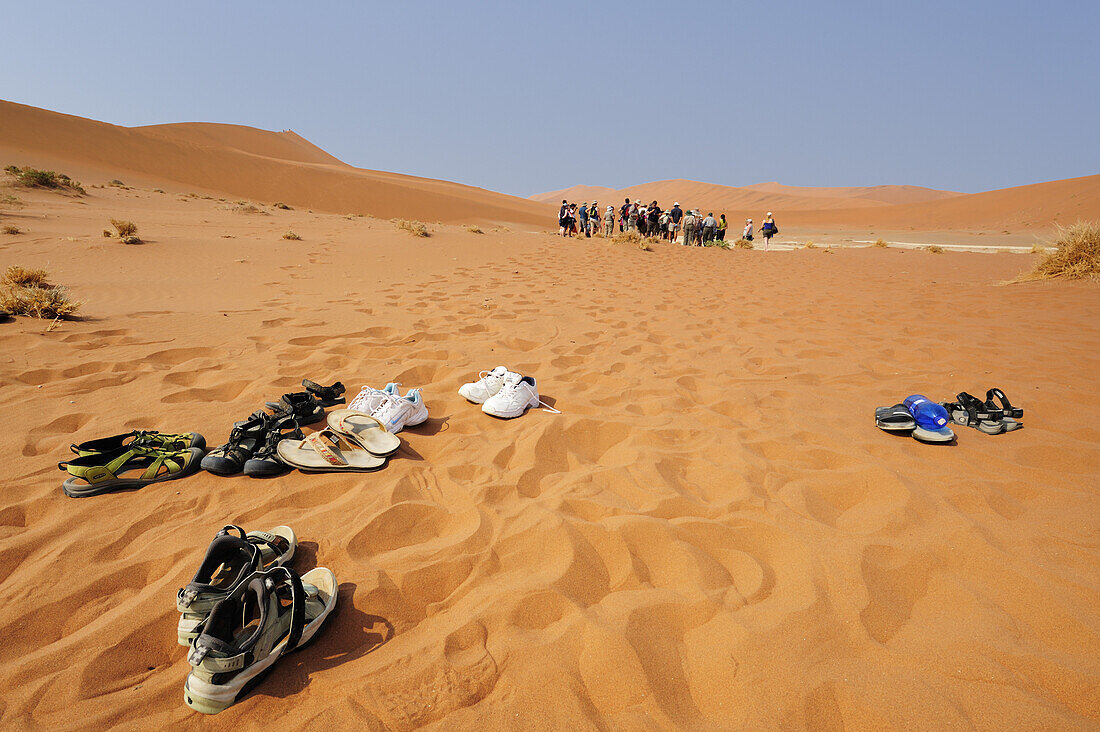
1012	414
970	411
103	472
368	431
244	440
328	396
140	438
267	616
228	562
302	406
265	461
329	451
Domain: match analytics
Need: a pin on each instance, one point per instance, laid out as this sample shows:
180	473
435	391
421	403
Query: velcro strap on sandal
266	536
318	444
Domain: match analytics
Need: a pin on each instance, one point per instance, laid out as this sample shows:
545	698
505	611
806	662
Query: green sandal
102	473
230	560
140	438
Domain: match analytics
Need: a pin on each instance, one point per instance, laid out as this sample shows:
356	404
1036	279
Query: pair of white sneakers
394	411
503	393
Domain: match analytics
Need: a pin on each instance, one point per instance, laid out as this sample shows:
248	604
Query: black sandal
302	406
244	440
265	462
1012	414
970	411
328	396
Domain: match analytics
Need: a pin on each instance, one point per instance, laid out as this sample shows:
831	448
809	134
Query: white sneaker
486	386
516	394
397	412
369	398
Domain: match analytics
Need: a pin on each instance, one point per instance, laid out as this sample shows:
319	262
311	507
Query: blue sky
529	97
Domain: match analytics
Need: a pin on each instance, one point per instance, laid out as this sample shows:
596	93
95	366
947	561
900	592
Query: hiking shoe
370	399
488	384
395	413
230	560
265	461
267	616
516	395
244	440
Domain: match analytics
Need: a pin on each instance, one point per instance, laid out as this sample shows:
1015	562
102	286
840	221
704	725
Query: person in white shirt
747	233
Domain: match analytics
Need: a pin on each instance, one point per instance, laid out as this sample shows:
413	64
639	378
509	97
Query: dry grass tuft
934	249
290	235
248	208
809	245
474	229
27	292
1077	256
626	237
130	239
416	228
33	178
880	244
21	276
283	206
11	229
743	244
1038	249
124	228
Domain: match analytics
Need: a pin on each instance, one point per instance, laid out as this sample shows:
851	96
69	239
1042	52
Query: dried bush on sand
283	206
626	237
124	228
115	182
474	229
1038	249
16	275
27	292
33	178
10	229
743	244
809	245
880	244
130	239
1077	256
934	249
416	228
292	236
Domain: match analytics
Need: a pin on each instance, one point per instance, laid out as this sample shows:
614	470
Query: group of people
651	220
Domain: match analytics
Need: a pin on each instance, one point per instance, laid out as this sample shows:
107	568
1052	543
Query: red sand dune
243	162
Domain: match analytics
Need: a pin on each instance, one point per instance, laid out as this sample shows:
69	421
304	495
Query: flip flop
368	431
1012	414
329	451
229	561
106	472
894	419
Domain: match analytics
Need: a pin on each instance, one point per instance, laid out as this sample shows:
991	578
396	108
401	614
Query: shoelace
513	388
365	395
389	406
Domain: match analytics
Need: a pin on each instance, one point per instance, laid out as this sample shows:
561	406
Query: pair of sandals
244	610
898	418
352	441
130	460
993	416
253	443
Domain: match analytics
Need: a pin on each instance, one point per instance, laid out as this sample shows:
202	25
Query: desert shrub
33	178
416	228
934	249
809	245
474	229
1077	255
283	206
27	292
626	237
10	229
248	208
130	239
16	275
124	228
880	244
292	236
116	183
743	244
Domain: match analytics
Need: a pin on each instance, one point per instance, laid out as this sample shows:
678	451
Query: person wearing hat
609	221
582	218
768	229
675	216
747	233
632	216
593	218
690	222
